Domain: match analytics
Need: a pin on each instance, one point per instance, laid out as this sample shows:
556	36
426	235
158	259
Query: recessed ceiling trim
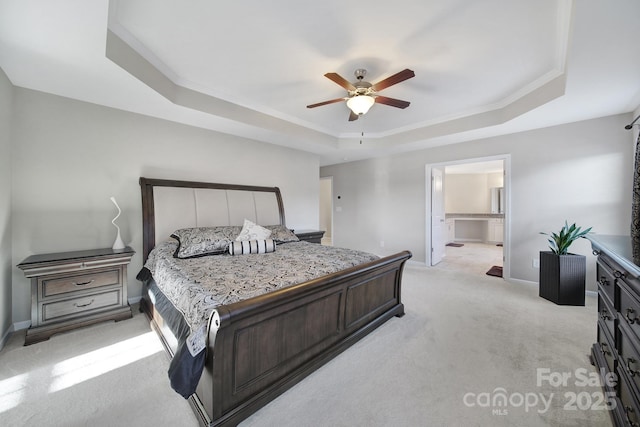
131	61
126	51
550	91
536	93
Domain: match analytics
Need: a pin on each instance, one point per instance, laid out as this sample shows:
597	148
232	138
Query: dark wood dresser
312	236
74	289
616	354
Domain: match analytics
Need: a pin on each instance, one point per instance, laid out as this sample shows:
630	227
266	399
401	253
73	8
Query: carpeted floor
109	374
458	347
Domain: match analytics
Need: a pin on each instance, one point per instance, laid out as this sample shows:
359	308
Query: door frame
506	246
330	201
438	215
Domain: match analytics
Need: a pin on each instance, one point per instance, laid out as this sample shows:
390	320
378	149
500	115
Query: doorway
326	210
473	210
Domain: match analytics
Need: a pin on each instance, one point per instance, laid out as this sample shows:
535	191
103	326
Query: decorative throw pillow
252	247
282	234
202	241
252	231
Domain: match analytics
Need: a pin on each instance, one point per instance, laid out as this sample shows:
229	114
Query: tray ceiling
250	68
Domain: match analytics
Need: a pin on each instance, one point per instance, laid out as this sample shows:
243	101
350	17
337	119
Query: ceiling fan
362	94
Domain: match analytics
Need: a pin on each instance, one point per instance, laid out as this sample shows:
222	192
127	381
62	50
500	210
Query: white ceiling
250	68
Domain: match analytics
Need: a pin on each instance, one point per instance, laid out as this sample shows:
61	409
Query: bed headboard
168	205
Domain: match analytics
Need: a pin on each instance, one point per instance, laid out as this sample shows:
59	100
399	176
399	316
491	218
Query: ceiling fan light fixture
360	104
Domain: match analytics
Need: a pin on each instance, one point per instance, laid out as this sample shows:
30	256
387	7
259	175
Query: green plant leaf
559	242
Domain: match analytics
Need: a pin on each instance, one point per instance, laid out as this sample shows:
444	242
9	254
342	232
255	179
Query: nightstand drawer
74	289
65	284
81	305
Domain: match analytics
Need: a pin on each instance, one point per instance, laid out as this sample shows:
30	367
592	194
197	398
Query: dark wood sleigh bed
260	347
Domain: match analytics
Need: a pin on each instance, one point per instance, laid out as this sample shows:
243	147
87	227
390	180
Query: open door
438	225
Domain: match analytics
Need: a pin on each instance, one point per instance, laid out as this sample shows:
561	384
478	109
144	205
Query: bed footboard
261	347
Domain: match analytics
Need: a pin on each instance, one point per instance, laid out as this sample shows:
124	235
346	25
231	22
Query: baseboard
18	326
5	337
134	300
25	324
13	328
591	294
522	282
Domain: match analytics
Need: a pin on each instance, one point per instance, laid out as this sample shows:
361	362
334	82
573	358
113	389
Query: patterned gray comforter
196	286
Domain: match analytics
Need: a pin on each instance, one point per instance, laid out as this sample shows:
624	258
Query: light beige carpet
465	340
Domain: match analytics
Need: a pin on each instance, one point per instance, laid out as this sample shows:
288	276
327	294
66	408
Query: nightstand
75	289
311	236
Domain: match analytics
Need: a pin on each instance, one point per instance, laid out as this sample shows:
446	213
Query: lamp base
118	244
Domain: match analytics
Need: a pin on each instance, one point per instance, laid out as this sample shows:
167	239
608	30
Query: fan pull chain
361	136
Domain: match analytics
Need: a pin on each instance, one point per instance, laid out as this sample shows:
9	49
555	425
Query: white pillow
252	247
252	231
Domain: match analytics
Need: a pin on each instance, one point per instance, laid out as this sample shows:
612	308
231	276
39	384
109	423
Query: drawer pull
604	314
618	274
83	283
604	347
628	314
627	410
630	362
603	281
84	305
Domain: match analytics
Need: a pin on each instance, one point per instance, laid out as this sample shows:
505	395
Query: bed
257	348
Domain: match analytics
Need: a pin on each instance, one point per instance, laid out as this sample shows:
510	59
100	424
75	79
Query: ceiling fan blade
396	78
398	103
319	104
337	78
353	116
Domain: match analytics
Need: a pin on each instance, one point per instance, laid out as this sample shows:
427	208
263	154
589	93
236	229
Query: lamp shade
360	104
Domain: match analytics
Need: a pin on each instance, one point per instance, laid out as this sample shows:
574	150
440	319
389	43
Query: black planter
562	278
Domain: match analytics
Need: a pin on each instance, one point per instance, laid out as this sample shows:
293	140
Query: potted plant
562	274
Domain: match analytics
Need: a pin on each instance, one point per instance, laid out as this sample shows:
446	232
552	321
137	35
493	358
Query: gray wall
6	100
470	192
581	172
69	157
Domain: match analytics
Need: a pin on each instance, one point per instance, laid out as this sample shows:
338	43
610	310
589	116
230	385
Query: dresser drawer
630	407
81	305
606	312
629	310
607	280
605	344
52	286
629	358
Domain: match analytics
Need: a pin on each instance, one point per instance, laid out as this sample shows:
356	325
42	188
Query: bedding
256	348
203	241
196	286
